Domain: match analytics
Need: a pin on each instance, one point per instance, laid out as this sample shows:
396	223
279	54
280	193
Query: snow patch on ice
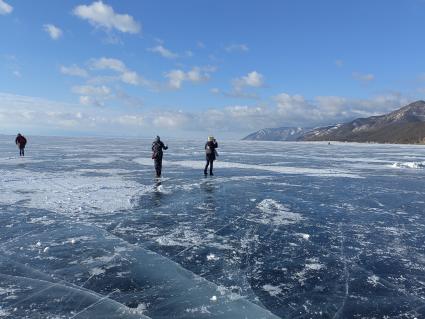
373	280
304	236
201	309
103	160
274	213
140	309
414	165
68	192
4	313
212	257
199	165
272	290
96	271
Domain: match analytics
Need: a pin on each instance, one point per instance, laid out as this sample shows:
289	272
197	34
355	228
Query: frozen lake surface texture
283	230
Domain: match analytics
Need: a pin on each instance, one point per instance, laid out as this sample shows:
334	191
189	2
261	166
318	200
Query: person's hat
210	138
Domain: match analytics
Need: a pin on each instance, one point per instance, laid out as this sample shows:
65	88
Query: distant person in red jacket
21	141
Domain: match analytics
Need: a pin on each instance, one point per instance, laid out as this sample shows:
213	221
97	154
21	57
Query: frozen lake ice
283	230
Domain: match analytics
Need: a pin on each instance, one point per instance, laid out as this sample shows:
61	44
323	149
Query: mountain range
403	126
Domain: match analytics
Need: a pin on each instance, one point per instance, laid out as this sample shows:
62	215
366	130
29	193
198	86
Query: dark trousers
22	151
210	163
158	166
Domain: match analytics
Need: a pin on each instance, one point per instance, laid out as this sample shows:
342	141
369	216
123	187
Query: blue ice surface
283	230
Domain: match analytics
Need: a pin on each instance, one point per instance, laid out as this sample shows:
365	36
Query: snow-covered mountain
277	134
405	125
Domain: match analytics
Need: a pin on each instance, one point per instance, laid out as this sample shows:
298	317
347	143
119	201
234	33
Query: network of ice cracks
283	230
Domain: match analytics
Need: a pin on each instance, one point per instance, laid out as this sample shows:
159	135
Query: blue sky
193	68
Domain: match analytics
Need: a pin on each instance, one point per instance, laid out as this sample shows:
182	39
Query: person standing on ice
157	153
21	141
211	154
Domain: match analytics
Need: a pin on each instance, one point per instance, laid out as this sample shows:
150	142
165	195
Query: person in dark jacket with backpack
21	141
211	154
157	152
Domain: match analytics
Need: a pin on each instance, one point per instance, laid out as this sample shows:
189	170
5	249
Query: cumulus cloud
53	31
324	110
92	95
164	52
5	8
124	74
102	15
365	78
92	90
237	47
240	85
252	79
171	119
195	75
74	70
108	64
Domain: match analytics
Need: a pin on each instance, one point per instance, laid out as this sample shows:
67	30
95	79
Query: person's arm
16	141
215	144
164	146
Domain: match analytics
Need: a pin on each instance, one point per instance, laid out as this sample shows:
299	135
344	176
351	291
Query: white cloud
92	90
74	70
324	110
130	77
171	119
252	79
5	8
237	47
90	101
108	64
164	52
365	78
125	75
53	31
17	73
195	75
175	78
102	15
44	116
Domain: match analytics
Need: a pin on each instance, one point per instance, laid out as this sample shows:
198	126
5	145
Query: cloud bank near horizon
24	113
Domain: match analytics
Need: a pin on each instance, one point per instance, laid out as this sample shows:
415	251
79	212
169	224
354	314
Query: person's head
157	139
210	138
19	134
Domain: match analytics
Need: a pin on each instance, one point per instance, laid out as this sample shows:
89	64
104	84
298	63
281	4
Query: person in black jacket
21	141
211	154
157	153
